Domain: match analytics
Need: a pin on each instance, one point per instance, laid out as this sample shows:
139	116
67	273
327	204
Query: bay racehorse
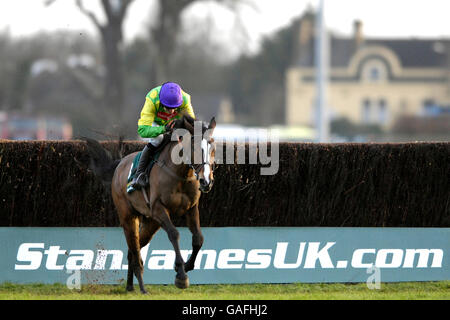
174	189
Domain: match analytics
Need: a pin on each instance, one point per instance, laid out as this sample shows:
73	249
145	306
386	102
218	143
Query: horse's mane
186	122
189	119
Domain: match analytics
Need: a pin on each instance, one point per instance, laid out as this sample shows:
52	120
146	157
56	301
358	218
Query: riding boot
140	178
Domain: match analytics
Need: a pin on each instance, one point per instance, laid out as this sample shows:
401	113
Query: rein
196	168
164	166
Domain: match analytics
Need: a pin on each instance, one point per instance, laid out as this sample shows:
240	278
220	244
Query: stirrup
140	181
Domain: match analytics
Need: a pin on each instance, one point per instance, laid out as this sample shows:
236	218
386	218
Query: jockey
162	105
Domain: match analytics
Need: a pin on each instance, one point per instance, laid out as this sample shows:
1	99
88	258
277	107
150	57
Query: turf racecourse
298	291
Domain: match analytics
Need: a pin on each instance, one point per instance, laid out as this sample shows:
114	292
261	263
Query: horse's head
202	149
205	172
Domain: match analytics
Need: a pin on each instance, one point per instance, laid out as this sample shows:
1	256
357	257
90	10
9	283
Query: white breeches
156	141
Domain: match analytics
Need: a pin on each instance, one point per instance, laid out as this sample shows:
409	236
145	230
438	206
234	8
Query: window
382	112
374	71
365	112
374	74
374	111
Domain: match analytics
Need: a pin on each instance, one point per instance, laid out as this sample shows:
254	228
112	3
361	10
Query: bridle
197	168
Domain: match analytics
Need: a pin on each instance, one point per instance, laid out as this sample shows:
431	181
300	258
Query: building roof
417	53
412	52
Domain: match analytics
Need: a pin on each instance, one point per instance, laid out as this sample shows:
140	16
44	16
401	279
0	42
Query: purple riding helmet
170	95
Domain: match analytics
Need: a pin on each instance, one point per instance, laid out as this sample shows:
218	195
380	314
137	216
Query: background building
371	81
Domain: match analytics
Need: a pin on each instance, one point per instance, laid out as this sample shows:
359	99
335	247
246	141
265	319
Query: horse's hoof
182	283
130	288
142	288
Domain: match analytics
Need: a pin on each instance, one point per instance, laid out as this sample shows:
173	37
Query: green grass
298	291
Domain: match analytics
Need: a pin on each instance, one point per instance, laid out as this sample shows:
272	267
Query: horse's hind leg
148	229
162	216
193	223
135	265
130	274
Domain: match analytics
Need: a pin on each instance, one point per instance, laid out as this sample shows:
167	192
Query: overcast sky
381	18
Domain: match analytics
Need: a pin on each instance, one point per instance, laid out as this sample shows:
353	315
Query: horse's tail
101	161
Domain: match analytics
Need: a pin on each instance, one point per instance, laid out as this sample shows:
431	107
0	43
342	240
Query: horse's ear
212	123
179	138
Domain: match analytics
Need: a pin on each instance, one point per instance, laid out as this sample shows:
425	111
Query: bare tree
168	24
112	39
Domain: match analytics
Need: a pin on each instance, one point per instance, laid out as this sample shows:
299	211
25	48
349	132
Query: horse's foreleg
162	216
193	223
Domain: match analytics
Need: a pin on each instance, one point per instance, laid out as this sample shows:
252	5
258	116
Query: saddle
133	170
150	165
